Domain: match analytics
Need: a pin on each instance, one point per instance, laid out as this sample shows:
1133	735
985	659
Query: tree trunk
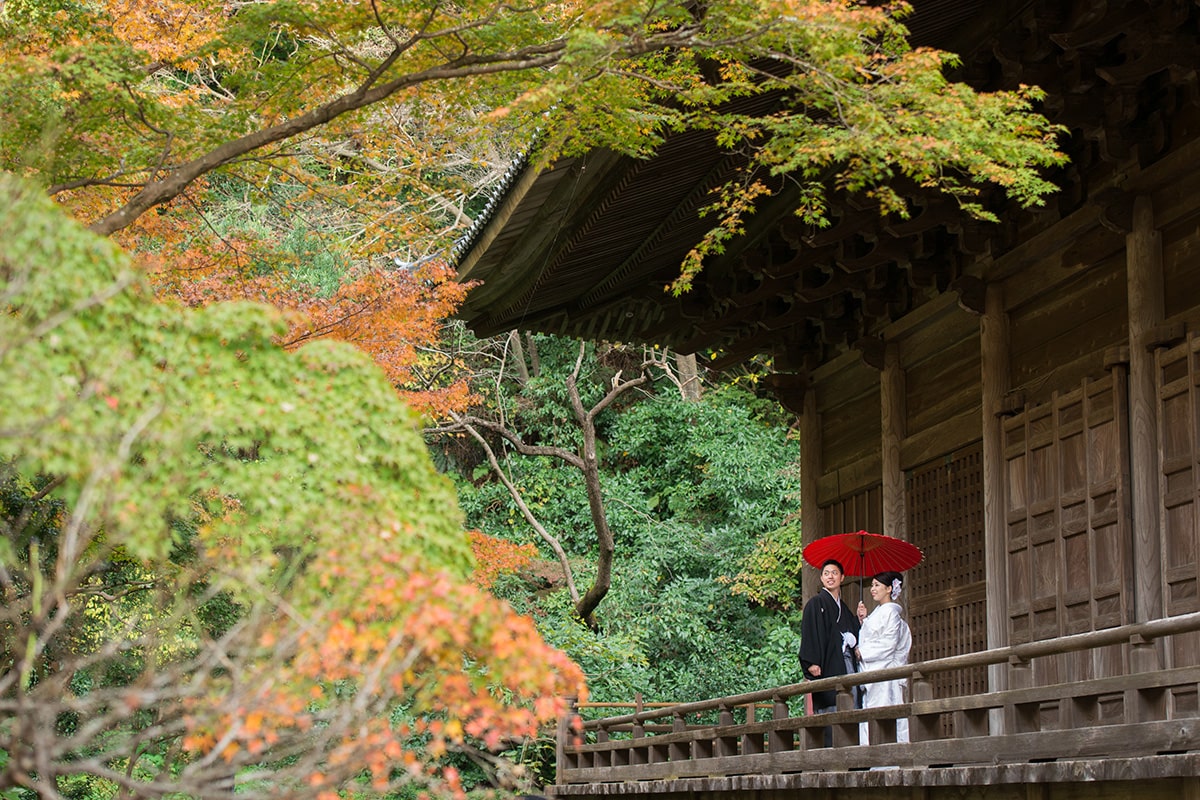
689	376
514	338
535	364
604	538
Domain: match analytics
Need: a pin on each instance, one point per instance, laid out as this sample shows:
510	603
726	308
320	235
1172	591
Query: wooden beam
849	479
1053	239
1146	304
922	318
937	440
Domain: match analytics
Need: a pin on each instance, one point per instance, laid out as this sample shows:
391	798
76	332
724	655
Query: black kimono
821	628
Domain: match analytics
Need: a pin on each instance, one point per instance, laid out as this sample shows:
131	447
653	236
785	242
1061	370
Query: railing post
726	745
751	742
811	736
639	729
845	735
639	753
679	751
1144	705
565	729
923	727
1144	654
602	758
1021	717
780	741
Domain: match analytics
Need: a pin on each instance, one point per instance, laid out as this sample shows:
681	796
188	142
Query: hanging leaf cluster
387	110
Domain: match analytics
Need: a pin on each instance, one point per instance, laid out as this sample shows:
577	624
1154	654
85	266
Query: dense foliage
223	564
690	487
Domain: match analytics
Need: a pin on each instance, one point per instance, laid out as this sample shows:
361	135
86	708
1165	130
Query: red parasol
863	554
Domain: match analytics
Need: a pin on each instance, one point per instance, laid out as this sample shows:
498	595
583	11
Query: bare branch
524	507
513	438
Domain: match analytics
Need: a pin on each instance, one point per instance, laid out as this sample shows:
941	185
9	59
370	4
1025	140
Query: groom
828	635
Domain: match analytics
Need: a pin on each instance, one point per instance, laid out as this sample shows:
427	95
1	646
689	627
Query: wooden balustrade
1147	711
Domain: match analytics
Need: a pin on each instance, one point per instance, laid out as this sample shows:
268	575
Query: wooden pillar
1144	274
995	379
893	421
812	523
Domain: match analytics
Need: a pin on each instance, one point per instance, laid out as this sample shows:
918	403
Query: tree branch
524	507
525	449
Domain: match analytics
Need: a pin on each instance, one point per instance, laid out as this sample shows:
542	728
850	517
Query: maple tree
380	126
495	556
226	566
126	105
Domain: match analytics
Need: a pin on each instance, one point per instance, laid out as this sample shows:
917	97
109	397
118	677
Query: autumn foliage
378	129
226	566
388	111
495	557
394	315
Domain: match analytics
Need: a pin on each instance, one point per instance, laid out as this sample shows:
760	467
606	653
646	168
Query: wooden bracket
1116	210
1116	356
871	349
971	293
789	389
1012	404
1166	335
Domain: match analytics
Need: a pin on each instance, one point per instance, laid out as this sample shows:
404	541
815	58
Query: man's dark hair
835	562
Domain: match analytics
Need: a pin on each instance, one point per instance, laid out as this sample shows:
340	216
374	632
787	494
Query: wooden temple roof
586	247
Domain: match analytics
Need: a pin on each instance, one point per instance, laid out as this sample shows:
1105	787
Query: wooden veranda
1132	734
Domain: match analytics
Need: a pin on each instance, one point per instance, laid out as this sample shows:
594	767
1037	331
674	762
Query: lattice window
858	512
947	598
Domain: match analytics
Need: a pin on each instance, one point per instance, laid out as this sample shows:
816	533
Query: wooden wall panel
1069	329
862	511
925	333
1178	379
1067	508
850	428
941	388
1181	278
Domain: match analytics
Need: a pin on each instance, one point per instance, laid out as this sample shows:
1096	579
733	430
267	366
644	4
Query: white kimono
884	641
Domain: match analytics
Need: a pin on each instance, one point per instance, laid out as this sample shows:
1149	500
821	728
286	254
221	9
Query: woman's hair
892	580
886	578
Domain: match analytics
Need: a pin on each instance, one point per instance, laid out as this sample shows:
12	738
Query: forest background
229	561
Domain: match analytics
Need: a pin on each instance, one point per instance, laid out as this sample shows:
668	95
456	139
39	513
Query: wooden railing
1146	711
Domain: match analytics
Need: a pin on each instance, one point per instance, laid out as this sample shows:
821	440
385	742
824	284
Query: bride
884	641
